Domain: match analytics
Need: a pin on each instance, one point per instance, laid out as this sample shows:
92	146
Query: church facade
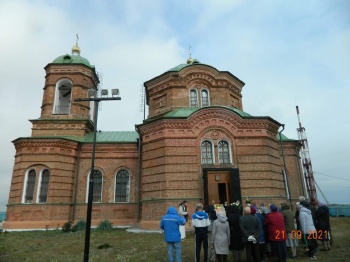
197	144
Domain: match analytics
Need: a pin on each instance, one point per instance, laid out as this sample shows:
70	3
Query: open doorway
223	196
221	184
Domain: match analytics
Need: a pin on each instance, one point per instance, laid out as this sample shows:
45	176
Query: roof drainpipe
138	176
285	177
76	182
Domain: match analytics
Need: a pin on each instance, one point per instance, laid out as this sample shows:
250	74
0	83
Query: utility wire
332	176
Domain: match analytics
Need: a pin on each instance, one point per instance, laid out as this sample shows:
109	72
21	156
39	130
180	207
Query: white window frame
190	98
229	151
212	150
128	186
25	186
59	96
39	186
208	96
87	187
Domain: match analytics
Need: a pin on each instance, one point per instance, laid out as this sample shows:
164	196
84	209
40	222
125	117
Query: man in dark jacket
170	224
250	228
211	211
200	221
323	225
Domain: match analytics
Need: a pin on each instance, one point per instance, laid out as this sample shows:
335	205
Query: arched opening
122	186
29	186
63	97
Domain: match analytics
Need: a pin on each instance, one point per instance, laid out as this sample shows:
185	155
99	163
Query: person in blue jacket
170	223
201	222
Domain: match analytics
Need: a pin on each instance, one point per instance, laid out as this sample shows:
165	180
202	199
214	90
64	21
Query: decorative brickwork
171	153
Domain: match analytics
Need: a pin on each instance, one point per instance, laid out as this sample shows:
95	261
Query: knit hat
252	210
273	208
320	203
301	198
265	210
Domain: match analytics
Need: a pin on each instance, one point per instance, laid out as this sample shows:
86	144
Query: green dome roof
72	59
189	63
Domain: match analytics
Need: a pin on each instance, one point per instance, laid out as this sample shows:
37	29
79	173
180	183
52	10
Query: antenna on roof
142	101
306	161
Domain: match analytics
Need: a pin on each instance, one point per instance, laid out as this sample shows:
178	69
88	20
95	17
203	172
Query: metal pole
91	188
91	178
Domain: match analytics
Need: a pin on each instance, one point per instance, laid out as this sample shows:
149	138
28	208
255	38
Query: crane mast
306	163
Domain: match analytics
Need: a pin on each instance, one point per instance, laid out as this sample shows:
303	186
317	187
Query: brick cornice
193	75
64	69
212	118
49	143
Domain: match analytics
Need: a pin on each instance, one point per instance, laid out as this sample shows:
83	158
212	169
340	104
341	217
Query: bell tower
68	77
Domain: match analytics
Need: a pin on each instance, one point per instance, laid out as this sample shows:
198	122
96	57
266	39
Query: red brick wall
65	159
171	91
171	169
171	158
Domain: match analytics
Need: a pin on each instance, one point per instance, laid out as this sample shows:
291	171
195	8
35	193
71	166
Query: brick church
196	144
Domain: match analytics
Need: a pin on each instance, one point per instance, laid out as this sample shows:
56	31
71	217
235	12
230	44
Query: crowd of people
263	232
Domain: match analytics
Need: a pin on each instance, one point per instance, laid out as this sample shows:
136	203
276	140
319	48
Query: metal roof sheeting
112	137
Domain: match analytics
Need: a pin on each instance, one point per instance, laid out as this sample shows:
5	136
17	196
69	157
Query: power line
332	176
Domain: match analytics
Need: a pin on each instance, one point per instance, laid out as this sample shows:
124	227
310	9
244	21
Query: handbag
212	255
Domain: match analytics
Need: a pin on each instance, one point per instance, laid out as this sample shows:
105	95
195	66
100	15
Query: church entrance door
221	184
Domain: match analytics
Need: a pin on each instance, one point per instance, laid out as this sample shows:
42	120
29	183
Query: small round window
67	59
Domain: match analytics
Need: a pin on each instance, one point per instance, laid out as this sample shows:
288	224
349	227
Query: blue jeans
172	246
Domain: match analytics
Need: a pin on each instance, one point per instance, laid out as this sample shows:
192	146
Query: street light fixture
93	97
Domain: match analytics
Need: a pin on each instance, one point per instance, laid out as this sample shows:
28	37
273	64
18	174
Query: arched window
63	97
31	176
204	97
44	186
207	152
122	187
193	98
224	152
97	191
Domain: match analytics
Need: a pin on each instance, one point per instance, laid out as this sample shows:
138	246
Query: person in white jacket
183	213
308	229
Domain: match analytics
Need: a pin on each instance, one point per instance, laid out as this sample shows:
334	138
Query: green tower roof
72	59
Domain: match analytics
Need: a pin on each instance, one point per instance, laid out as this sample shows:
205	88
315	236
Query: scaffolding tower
306	162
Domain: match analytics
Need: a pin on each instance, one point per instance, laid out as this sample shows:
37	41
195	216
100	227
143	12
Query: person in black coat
236	244
250	228
322	225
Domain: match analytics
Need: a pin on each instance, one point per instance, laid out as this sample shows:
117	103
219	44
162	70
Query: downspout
76	181
285	171
138	176
301	174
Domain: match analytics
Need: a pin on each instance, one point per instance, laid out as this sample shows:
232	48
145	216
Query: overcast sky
288	53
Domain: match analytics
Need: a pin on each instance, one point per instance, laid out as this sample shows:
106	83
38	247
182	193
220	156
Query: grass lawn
54	245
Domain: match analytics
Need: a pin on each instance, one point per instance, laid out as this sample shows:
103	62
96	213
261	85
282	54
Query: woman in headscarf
307	227
277	233
236	244
322	225
292	241
221	237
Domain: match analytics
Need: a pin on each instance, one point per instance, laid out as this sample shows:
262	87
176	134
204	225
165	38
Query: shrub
104	246
67	227
105	225
80	225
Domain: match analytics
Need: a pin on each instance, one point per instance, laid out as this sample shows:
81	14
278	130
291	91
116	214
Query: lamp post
96	100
